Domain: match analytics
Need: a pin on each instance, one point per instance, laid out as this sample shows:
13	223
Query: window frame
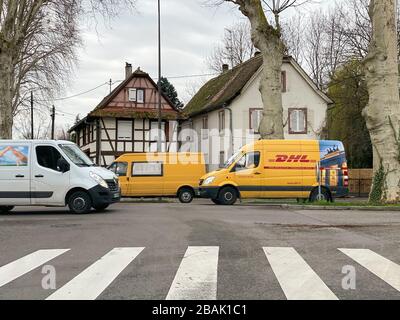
147	175
37	158
290	111
251	110
144	95
204	132
221	121
245	155
117	136
117	163
129	94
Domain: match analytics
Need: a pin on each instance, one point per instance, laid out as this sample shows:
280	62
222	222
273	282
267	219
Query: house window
132	95
124	130
298	121
284	81
205	128
221	121
136	95
255	119
140	96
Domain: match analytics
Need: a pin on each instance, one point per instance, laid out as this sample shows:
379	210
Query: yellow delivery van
301	169
159	174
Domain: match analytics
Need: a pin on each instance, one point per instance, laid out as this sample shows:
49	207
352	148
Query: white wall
299	94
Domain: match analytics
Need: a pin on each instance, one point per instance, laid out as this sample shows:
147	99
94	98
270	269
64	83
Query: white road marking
90	283
19	267
196	278
297	279
383	268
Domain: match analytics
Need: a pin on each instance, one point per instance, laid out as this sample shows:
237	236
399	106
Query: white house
226	112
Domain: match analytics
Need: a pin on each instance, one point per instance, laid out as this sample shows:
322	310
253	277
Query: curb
333	208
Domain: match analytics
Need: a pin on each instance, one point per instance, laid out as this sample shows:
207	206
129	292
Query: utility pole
32	137
159	79
53	119
110	82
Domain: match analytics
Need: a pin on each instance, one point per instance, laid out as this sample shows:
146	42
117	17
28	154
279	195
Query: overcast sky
190	31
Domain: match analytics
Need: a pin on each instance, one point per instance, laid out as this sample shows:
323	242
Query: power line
119	81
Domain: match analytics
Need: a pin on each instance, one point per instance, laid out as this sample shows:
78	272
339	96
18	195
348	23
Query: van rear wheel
227	196
186	195
80	202
324	196
6	209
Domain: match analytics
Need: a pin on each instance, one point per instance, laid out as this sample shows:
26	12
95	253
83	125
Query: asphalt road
200	250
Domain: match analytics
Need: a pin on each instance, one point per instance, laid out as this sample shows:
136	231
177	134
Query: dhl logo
292	158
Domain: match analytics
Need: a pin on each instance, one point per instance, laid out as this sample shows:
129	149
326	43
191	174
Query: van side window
250	160
47	157
147	169
119	168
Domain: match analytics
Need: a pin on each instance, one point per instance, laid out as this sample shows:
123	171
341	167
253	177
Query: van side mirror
63	165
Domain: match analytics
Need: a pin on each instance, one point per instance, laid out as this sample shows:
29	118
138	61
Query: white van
53	174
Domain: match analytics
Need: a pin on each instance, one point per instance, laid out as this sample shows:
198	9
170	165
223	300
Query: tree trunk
267	39
382	113
6	105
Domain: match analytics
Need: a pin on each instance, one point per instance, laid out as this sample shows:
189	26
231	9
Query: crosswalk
197	275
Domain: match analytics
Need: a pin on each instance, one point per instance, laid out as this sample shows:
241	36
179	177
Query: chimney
225	67
128	70
257	53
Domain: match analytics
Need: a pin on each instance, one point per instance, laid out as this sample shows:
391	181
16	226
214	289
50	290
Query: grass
349	204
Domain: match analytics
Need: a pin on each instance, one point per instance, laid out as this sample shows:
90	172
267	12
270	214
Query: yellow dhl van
280	169
159	174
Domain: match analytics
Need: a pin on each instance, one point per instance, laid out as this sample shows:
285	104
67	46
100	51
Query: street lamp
159	79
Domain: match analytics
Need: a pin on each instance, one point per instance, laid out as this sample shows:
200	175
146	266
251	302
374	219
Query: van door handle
20	176
39	176
257	173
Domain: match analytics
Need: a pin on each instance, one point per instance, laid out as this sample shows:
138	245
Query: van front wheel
80	202
227	196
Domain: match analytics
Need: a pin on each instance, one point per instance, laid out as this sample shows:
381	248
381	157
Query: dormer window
136	95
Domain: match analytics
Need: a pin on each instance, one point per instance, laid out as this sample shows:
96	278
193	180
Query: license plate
116	195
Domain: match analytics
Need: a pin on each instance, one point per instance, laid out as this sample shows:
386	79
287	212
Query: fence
360	181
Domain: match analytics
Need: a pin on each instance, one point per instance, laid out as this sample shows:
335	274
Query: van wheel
101	208
186	195
6	209
324	196
227	196
80	202
216	201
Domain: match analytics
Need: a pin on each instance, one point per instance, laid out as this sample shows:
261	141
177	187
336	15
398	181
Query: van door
49	184
247	174
283	173
147	179
15	174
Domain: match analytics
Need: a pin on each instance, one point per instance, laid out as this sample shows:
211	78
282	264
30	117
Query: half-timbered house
127	121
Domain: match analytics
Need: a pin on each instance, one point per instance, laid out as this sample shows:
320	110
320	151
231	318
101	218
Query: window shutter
124	130
132	95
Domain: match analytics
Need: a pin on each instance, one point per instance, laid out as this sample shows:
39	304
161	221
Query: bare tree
22	125
38	39
382	113
267	37
235	48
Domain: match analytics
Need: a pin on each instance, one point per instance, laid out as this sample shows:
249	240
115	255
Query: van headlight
98	179
209	180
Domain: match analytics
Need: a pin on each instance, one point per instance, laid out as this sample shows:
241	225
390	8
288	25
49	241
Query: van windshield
76	155
232	159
